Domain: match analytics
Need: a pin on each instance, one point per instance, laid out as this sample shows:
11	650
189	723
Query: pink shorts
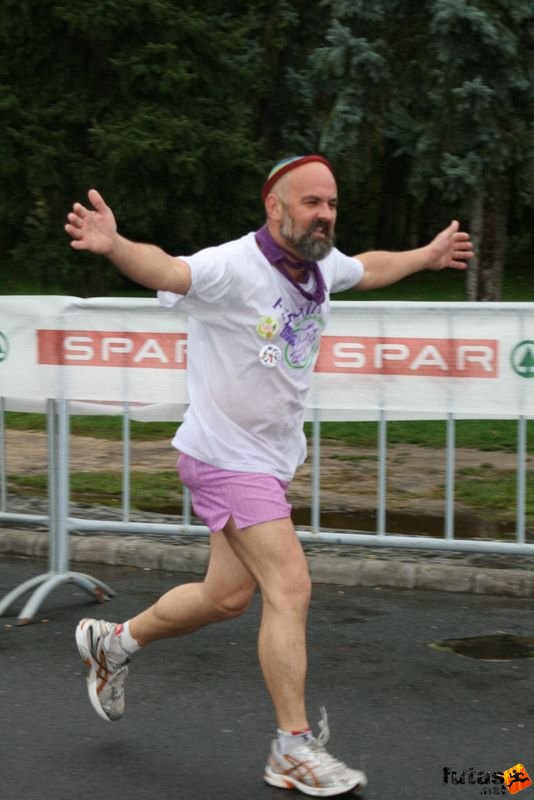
218	494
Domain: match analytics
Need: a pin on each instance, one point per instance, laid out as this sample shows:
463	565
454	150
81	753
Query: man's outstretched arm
94	229
450	248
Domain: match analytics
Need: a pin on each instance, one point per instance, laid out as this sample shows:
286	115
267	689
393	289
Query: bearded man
258	306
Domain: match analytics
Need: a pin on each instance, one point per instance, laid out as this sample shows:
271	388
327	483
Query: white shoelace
327	763
324	734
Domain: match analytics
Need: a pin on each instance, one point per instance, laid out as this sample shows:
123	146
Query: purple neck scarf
281	259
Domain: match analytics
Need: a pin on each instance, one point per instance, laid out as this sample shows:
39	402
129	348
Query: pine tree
141	98
466	124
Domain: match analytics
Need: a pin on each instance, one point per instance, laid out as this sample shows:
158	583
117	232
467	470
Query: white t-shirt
252	345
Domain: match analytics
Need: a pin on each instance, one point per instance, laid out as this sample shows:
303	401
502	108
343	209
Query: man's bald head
285	166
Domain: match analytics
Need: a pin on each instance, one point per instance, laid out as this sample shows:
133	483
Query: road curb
341	568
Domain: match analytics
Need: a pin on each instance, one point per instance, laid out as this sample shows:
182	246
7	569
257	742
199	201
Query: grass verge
488	491
149	491
98	427
479	434
493	492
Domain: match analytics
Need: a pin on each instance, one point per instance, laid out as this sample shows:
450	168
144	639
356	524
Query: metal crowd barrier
60	523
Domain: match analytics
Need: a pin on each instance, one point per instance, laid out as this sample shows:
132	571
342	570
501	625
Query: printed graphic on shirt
302	333
305	342
270	355
268	327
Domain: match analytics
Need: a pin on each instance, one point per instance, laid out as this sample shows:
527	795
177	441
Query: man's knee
291	589
232	604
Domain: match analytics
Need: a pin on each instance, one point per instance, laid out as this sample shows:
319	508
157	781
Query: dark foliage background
176	111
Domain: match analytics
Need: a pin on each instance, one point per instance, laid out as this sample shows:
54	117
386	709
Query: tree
176	112
466	123
526	364
341	92
142	98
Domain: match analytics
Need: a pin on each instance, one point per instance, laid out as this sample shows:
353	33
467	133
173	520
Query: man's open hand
92	229
450	248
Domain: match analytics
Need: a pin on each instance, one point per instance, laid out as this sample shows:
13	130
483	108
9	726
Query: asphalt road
198	721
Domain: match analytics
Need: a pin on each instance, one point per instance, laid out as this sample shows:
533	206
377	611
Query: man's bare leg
225	592
273	554
105	648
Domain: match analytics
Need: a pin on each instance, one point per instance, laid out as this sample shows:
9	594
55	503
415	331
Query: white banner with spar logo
409	360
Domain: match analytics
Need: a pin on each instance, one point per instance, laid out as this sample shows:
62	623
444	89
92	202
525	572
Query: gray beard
306	246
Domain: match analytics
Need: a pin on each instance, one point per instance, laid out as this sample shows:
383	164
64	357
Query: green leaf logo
4	347
522	359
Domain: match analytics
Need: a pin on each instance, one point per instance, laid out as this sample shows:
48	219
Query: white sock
288	741
120	643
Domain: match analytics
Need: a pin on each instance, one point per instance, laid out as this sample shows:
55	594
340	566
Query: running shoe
311	769
105	682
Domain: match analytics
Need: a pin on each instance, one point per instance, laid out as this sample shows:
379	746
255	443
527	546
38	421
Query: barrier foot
100	590
47	583
12	596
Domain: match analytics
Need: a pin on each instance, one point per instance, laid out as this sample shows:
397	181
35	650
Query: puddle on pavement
496	647
407	523
466	526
